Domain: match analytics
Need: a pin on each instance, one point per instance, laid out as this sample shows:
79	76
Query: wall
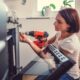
22	11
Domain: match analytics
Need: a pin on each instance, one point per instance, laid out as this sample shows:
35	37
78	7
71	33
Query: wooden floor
28	77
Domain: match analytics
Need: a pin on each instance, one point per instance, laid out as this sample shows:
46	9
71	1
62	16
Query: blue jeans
66	77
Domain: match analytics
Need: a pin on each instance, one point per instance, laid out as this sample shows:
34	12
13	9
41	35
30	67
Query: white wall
78	6
22	11
29	10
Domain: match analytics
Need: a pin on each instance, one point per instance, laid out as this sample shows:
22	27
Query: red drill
40	36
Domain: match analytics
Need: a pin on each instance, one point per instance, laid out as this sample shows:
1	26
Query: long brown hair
71	17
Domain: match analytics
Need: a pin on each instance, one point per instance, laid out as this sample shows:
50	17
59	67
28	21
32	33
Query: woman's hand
23	37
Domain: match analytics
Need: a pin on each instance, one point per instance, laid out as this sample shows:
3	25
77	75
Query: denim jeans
66	77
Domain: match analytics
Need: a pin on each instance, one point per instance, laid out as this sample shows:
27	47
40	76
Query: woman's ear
68	27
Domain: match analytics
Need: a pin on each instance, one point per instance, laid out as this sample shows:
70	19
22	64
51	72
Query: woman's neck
65	35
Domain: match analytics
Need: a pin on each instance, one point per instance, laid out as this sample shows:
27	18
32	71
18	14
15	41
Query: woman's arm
51	40
45	56
39	51
25	39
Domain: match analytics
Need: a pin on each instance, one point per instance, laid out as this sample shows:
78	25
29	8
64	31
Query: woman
66	40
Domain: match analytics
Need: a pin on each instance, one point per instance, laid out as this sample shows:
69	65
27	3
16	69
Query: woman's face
60	24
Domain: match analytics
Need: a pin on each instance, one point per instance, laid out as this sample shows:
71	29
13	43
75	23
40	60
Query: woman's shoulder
71	38
72	41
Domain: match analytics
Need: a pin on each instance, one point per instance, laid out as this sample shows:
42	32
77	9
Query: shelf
38	18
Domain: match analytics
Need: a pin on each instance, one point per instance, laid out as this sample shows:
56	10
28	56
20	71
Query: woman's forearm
41	54
34	47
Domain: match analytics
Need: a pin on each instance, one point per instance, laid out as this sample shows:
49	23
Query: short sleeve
79	60
68	46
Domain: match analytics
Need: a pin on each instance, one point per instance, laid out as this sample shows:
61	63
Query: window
57	4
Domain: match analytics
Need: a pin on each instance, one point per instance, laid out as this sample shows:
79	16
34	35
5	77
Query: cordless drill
40	36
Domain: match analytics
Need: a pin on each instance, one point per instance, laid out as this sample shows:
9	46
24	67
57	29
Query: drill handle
31	33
